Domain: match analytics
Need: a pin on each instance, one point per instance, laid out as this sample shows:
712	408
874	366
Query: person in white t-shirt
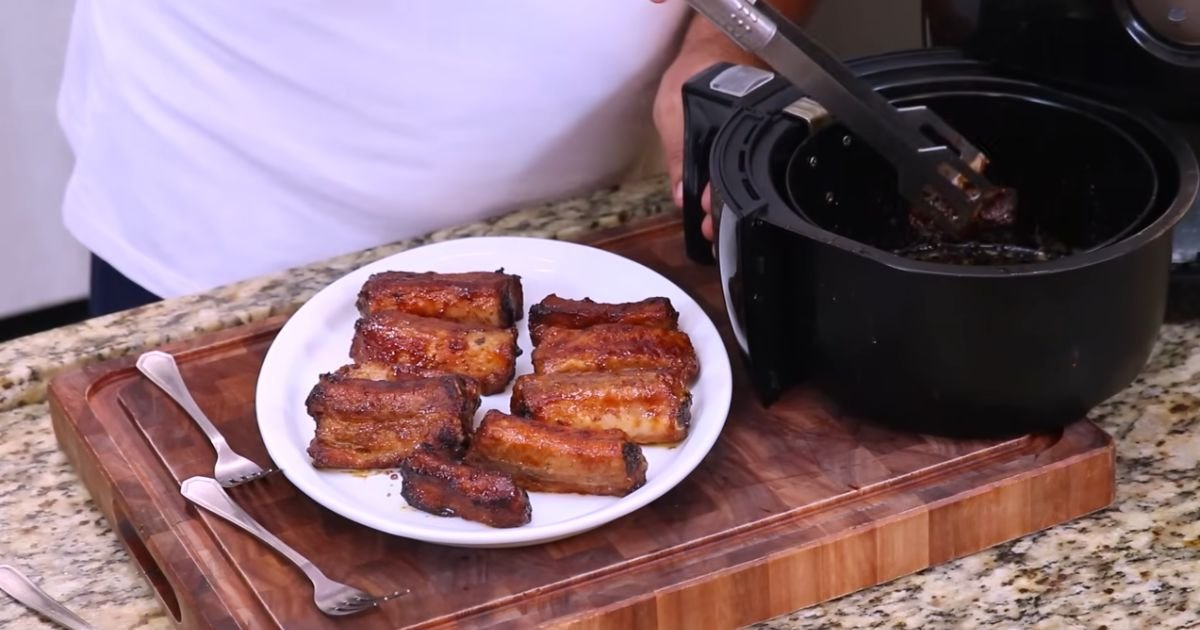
219	140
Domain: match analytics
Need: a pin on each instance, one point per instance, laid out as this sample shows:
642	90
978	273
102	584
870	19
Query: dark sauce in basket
977	254
991	241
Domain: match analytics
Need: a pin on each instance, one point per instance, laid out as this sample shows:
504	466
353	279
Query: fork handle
208	494
161	369
25	591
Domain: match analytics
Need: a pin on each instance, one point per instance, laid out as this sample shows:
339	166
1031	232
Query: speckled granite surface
1134	565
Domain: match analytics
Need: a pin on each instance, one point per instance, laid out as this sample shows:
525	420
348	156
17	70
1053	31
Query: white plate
317	339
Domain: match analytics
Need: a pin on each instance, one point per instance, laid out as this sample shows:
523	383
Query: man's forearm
702	35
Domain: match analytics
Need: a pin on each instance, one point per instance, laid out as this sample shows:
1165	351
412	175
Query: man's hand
703	45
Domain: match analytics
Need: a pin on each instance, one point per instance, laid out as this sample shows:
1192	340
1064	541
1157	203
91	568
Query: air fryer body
933	349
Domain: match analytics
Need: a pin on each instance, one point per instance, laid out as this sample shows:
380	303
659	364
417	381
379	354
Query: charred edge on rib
635	465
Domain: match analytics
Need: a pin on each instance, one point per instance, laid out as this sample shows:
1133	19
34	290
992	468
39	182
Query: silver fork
25	591
333	598
231	468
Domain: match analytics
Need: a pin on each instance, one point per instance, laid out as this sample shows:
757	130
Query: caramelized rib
610	347
439	485
365	424
374	371
487	355
550	458
649	406
557	312
481	297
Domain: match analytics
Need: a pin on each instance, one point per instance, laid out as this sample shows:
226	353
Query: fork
333	598
231	468
25	591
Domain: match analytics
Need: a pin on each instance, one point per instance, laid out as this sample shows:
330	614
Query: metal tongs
939	171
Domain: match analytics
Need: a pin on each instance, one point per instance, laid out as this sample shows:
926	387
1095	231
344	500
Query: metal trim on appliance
810	112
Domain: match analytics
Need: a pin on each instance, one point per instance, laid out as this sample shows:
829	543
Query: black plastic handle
704	111
696	145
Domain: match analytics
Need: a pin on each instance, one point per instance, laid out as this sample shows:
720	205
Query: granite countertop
1133	565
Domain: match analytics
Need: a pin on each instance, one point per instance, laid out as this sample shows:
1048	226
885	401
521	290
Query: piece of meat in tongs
988	206
939	172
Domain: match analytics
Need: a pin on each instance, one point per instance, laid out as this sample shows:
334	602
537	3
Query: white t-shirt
222	139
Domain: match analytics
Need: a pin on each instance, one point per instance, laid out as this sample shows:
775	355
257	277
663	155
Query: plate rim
689	458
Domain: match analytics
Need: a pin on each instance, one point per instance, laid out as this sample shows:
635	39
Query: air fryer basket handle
697	141
705	110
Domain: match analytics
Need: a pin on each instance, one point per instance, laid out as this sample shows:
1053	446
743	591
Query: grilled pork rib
386	372
649	406
436	483
558	312
612	347
481	297
366	424
550	458
483	353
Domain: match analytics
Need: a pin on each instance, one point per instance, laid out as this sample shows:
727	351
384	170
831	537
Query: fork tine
349	609
352	595
253	476
230	482
355	601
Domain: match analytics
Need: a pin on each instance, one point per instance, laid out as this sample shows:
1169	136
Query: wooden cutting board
795	505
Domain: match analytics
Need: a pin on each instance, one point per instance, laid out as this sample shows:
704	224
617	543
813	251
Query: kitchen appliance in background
810	229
